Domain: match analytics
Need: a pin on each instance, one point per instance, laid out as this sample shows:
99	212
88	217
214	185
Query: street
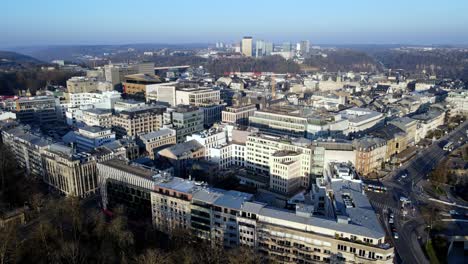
411	226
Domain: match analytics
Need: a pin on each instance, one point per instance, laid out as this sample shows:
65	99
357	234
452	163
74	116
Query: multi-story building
97	117
370	154
121	183
428	121
37	110
347	230
285	171
185	119
90	137
70	174
154	141
162	93
27	148
297	122
139	120
409	126
127	104
360	119
246	46
201	96
210	139
182	156
81	84
135	84
260	157
459	101
238	114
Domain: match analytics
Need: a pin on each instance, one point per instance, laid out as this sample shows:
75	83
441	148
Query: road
410	227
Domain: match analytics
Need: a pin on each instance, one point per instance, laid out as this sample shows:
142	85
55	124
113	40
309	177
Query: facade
344	233
97	117
38	110
139	120
182	156
246	46
197	96
81	84
154	141
70	174
238	114
185	119
260	157
459	101
370	154
428	121
90	137
162	93
135	84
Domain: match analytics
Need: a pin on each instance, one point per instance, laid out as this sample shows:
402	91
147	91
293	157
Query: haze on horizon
53	22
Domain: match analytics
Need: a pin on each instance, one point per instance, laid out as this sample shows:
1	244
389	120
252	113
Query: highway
408	246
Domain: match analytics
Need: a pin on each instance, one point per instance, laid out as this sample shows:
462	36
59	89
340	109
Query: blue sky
33	22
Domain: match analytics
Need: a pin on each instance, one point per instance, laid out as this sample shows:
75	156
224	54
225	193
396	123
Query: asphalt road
408	246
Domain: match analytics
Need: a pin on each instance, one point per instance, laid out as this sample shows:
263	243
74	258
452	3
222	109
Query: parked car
395	235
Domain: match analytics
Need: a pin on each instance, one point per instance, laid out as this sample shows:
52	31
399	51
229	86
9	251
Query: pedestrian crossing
383	207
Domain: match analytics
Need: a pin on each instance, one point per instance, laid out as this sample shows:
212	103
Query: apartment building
185	119
238	115
80	84
154	141
459	101
27	148
370	154
139	120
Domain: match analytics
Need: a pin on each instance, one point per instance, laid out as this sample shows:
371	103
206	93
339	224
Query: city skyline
419	22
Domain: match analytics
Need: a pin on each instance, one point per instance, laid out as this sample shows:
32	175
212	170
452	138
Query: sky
76	22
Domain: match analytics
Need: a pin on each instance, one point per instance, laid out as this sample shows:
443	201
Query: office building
138	120
246	46
238	114
185	119
334	222
135	84
182	156
162	93
38	110
97	117
69	173
154	141
90	137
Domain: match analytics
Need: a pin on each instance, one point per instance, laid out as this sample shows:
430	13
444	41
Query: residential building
428	121
370	154
459	101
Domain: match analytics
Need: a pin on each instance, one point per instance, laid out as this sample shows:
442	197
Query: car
392	215
395	235
391	221
453	212
393	229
